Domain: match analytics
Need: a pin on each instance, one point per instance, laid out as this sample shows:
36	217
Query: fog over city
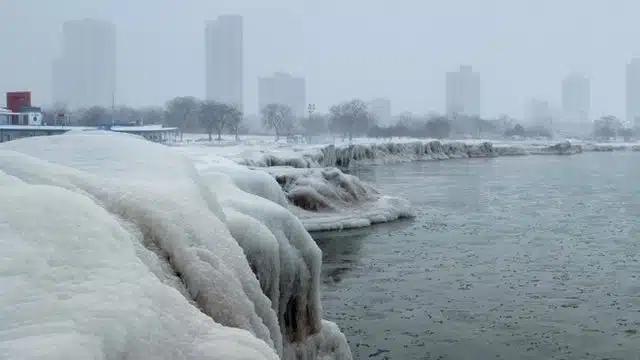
319	180
345	49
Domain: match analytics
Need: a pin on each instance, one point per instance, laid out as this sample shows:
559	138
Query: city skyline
157	62
223	68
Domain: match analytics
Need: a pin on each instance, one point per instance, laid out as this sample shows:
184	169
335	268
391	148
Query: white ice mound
328	199
115	247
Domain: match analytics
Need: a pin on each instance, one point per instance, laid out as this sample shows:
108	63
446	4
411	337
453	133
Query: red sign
18	99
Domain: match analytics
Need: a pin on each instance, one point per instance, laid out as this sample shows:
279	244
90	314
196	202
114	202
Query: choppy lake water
509	258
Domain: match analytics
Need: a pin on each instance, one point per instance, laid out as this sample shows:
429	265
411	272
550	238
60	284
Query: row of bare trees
348	119
190	114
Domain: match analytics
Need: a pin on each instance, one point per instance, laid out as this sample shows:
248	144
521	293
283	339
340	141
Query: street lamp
311	108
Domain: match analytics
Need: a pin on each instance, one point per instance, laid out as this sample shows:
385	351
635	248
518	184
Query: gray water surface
508	258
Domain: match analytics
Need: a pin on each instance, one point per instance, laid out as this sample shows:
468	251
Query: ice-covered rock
115	247
328	199
561	148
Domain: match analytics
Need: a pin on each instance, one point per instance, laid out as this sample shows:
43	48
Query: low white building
29	116
5	116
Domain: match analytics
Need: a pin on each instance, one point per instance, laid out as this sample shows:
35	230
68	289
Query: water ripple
509	258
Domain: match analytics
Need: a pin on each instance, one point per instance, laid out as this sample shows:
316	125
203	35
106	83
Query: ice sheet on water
134	238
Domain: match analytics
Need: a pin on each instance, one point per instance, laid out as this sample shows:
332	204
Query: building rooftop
43	128
5	111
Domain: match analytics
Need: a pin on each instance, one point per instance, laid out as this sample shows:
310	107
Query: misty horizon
521	49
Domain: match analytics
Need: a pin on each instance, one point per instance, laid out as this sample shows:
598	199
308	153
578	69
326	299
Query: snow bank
114	247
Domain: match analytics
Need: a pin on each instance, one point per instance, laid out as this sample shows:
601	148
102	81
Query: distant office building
59	83
224	60
576	99
85	73
283	89
381	110
633	92
539	113
463	92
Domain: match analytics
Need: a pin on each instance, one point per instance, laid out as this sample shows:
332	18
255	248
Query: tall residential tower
463	92
224	60
576	99
633	92
85	73
283	89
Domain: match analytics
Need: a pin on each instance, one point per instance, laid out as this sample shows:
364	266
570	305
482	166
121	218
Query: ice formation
328	199
115	247
343	156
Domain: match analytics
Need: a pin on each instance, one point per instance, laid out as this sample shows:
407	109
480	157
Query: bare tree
216	116
234	120
182	112
94	116
152	115
314	124
278	117
350	117
126	114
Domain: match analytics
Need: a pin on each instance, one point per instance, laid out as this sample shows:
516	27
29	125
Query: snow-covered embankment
114	247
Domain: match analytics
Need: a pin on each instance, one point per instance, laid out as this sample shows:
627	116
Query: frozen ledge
343	156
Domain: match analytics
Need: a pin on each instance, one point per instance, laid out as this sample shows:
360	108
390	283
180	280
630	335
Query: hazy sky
346	48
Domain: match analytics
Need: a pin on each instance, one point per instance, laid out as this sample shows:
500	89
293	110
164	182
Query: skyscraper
223	60
463	92
633	92
85	73
539	113
576	99
282	88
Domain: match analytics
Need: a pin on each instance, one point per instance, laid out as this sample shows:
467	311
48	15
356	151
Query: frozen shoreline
325	198
261	151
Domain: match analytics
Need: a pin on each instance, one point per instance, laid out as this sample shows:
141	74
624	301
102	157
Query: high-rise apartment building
576	99
381	110
539	113
224	60
282	88
633	92
463	92
85	74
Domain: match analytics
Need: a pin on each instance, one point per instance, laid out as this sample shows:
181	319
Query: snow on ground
115	247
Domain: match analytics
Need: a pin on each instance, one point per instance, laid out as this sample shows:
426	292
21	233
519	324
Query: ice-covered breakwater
374	153
115	247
